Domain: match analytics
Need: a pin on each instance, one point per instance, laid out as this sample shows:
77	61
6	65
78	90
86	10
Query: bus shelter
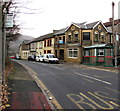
99	55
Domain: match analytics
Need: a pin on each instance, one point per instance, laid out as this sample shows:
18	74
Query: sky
52	15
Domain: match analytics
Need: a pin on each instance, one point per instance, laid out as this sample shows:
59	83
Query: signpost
9	20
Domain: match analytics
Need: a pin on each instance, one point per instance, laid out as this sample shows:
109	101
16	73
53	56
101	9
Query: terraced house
108	25
59	43
24	49
42	45
86	43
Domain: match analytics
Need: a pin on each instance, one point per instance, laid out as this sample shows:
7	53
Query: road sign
9	20
6	0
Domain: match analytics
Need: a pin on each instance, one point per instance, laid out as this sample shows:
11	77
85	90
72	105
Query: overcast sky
57	14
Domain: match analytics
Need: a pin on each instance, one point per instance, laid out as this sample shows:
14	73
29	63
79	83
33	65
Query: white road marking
93	78
57	68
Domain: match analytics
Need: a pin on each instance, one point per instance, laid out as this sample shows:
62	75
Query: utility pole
1	63
1	49
114	35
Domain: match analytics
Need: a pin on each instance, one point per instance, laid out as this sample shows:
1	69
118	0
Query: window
100	52
72	53
63	39
69	37
44	51
76	37
48	51
40	45
60	38
87	53
50	42
102	37
96	37
86	35
45	43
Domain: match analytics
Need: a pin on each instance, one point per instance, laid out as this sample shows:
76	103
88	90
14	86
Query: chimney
110	19
54	31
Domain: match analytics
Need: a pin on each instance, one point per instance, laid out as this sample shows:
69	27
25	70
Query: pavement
24	92
110	69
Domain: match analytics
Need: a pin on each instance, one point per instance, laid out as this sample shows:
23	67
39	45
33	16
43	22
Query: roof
50	35
107	24
92	25
84	25
26	41
61	31
80	25
98	46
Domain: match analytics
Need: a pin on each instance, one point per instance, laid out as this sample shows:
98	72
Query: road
76	87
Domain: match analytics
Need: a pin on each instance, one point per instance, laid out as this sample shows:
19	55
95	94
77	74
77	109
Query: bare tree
18	7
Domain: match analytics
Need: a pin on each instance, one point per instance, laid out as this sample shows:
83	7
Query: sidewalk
110	69
25	94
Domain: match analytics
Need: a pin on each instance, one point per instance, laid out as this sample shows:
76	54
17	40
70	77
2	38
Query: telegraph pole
113	35
1	49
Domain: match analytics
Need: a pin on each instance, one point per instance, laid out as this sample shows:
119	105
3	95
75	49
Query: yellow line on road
92	101
114	103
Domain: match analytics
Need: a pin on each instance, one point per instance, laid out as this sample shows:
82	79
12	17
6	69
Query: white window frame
99	51
72	50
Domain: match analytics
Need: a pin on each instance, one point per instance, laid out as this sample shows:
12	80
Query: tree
17	8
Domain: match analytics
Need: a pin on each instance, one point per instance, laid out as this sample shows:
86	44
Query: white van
50	58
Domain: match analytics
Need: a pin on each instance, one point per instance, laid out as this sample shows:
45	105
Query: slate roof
26	41
61	31
84	25
91	25
50	35
80	25
107	24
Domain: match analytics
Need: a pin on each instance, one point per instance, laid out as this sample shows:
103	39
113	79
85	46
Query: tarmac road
76	87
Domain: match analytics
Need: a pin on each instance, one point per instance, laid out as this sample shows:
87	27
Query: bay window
72	53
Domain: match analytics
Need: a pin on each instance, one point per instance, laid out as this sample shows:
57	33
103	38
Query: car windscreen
52	56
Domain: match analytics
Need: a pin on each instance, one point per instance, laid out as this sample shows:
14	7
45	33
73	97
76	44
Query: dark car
31	58
118	60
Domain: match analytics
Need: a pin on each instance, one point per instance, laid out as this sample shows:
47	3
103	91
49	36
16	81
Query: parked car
31	58
118	60
17	57
50	58
12	57
39	58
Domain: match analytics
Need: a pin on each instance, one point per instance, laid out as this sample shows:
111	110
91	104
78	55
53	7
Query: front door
61	57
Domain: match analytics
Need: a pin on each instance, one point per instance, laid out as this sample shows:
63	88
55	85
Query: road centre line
88	80
56	67
93	78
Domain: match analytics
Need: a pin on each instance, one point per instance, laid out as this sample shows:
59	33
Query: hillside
14	45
